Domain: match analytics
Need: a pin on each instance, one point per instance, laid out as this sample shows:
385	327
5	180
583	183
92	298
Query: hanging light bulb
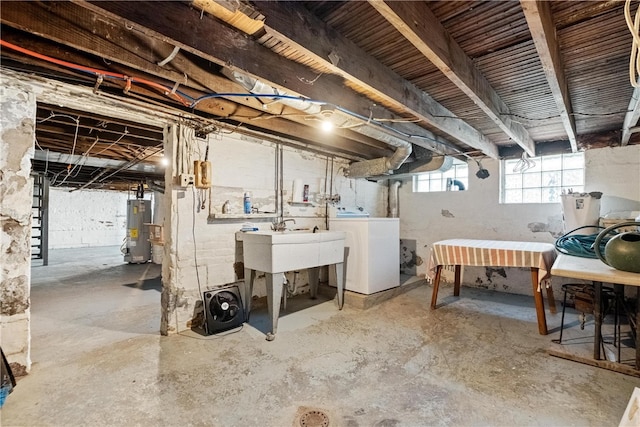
326	114
327	126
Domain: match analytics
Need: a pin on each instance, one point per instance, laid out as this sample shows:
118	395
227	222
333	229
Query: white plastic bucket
581	209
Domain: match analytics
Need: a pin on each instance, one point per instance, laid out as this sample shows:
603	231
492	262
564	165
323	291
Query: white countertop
592	269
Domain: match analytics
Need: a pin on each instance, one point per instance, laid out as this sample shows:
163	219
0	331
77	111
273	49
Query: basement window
454	179
541	179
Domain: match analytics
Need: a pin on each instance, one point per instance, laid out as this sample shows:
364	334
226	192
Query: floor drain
314	419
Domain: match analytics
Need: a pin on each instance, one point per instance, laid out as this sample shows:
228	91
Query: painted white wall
86	218
615	172
477	213
203	249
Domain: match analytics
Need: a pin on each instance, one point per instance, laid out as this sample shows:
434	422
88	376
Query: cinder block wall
86	218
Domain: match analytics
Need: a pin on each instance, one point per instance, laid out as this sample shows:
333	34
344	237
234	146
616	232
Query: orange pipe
164	89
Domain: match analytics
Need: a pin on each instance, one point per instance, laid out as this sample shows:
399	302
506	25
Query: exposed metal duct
339	118
408	170
394	199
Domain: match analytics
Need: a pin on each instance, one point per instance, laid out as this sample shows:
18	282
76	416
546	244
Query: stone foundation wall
17	136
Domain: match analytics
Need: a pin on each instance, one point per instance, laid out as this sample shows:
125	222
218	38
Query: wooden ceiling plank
434	42
543	31
206	37
631	118
290	22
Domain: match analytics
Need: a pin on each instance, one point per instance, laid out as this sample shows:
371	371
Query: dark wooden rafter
514	44
115	44
543	31
204	36
429	36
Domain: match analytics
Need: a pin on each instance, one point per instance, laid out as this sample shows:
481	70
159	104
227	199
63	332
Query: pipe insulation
341	119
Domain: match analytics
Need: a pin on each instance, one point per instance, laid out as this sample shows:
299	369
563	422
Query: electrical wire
634	58
193	234
75	137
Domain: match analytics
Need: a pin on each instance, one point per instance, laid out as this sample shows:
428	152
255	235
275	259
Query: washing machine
373	249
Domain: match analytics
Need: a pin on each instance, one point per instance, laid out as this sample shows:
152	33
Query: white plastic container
580	209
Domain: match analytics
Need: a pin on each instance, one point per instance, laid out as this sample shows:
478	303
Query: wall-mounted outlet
187	179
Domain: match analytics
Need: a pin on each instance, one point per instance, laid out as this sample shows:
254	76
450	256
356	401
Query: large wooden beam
631	118
206	37
415	21
293	24
543	31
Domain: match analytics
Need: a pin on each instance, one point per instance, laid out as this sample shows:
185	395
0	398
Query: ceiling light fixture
327	126
482	172
164	161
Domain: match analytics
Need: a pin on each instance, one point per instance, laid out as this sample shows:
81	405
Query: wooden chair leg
436	283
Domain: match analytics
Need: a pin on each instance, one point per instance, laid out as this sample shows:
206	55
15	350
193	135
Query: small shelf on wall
302	204
215	216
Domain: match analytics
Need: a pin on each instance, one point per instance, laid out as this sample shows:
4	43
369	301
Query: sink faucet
282	225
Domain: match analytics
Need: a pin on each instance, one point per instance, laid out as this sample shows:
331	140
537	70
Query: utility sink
276	252
280	251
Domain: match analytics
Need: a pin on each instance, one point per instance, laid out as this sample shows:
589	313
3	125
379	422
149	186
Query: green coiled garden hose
580	245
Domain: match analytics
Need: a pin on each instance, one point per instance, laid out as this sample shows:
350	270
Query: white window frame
436	181
545	181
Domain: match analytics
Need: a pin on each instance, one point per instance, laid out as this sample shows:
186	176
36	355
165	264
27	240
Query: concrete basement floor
478	360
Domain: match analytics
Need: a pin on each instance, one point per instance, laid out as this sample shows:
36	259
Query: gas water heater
138	249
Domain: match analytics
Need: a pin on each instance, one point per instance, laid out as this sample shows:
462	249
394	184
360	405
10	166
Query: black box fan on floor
222	309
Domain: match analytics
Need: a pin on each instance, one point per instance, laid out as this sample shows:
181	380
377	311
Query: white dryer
373	250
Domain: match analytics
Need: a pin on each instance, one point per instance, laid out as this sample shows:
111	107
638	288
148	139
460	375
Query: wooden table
539	257
598	272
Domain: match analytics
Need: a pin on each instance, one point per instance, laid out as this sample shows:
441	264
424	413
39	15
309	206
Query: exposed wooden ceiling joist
416	22
291	23
204	36
543	31
121	46
374	71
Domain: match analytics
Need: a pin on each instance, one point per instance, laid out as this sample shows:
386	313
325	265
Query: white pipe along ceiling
339	118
